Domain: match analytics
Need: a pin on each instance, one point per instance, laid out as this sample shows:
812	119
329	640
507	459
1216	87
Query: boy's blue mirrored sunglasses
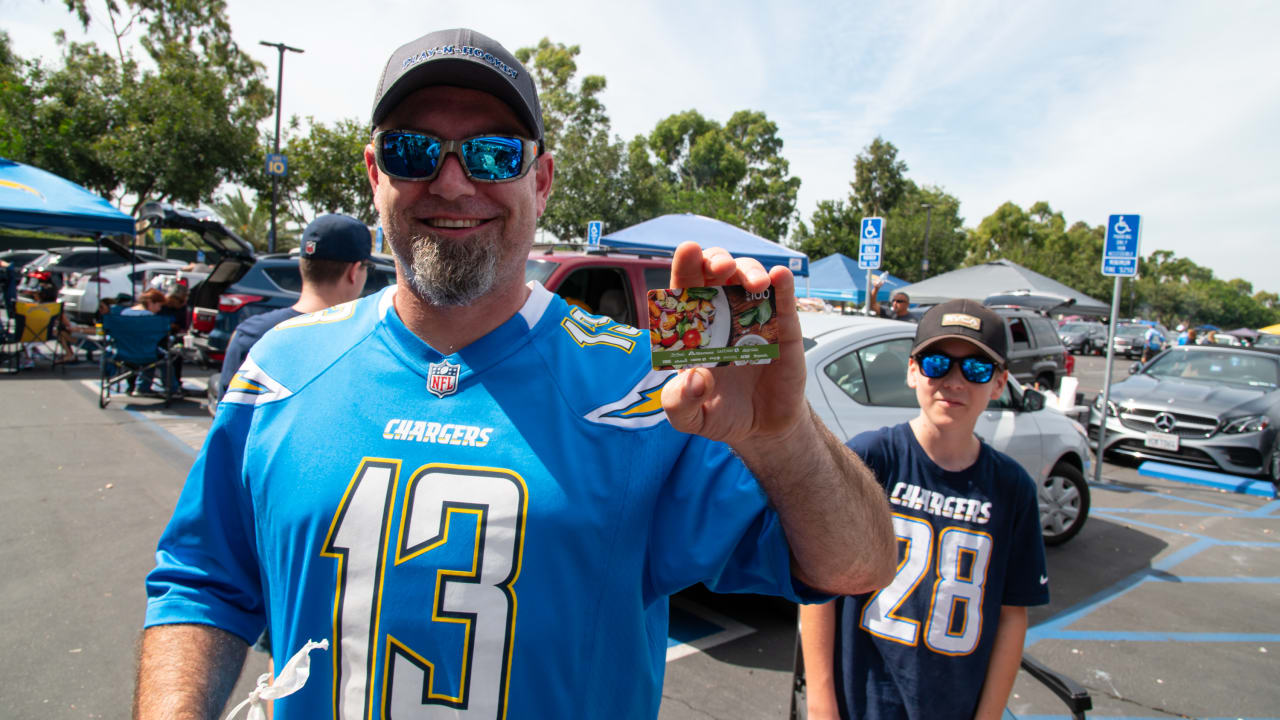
975	368
415	156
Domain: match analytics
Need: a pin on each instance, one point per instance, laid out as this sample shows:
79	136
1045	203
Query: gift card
712	326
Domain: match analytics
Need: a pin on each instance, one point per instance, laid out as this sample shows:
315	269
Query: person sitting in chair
149	302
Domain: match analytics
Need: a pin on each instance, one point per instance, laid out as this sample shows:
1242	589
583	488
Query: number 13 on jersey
953	621
470	680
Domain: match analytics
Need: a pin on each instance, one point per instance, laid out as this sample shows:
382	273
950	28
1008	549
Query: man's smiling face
455	239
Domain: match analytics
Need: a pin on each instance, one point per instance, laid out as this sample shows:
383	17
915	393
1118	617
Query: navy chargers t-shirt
968	543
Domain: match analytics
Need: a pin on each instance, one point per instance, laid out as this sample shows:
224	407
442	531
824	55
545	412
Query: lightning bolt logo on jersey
487	534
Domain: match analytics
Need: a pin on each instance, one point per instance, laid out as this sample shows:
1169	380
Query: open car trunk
235	257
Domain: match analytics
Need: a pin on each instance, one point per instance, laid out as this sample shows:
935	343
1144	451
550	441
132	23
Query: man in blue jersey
334	263
944	639
477	495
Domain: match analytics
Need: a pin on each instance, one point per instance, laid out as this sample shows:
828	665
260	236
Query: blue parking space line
1186	637
1178	513
1268	509
1177	579
158	429
1163	496
1194	476
1095	716
1062	620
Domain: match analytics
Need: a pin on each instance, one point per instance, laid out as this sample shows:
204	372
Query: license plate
1162	441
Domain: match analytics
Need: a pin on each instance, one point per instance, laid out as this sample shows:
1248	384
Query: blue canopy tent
37	200
668	231
34	199
838	277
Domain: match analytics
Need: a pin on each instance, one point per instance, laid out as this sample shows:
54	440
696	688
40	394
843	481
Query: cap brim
456	72
976	343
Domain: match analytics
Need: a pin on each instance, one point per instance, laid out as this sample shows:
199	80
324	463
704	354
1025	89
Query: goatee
442	271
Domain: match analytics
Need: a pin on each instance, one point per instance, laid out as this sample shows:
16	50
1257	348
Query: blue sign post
277	164
1119	260
595	229
870	244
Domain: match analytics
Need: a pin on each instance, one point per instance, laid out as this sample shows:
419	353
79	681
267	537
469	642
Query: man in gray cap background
479	497
334	263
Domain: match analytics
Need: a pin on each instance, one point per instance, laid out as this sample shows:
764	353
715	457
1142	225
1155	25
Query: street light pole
928	219
275	179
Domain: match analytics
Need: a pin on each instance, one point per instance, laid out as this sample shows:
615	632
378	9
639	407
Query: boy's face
951	402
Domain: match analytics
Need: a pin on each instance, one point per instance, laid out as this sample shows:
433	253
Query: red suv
601	280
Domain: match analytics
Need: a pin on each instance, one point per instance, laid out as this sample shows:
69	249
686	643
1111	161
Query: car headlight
1248	423
1112	409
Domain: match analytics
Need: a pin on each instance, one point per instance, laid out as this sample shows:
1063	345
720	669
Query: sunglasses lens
934	365
493	158
410	155
977	371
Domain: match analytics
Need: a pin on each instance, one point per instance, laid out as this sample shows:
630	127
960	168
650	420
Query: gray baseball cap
460	58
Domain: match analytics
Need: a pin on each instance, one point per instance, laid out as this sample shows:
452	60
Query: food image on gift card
711	326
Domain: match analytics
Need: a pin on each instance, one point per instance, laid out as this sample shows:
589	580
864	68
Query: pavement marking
694	628
1195	476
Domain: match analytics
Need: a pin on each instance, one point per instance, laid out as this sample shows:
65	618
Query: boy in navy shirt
944	639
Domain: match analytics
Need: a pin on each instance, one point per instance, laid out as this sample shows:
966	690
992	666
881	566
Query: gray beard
444	272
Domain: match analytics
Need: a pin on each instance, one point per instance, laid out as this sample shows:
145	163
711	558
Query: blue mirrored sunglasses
975	368
415	156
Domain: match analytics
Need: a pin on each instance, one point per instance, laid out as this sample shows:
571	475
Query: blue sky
1167	109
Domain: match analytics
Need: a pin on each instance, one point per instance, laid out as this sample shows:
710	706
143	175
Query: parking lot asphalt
1164	606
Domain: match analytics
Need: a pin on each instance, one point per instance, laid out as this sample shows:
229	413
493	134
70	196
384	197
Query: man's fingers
682	399
687	266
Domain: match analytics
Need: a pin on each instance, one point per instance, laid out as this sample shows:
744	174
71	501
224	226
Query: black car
1036	353
1206	406
55	265
1083	338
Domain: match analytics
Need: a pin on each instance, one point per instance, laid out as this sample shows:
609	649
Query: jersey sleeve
206	560
712	524
1027	582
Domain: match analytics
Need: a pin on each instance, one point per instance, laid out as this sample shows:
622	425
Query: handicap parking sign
1120	252
869	243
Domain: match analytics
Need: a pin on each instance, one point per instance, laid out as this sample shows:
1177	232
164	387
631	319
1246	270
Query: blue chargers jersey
488	534
969	542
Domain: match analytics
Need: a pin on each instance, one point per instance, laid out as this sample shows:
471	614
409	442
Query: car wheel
1086	348
1045	381
1064	503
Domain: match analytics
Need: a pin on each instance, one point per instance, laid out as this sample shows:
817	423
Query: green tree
593	177
879	178
735	173
833	228
250	220
173	131
905	227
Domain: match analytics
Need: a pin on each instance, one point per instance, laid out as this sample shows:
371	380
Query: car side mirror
1032	400
1134	368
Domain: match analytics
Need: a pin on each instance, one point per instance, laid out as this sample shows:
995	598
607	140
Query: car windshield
538	270
1132	330
1073	328
1235	368
1266	340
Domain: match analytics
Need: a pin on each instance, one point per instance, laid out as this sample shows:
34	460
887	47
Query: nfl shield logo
443	378
309	247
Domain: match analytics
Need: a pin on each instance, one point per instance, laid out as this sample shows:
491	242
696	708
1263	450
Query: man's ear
911	373
544	168
371	168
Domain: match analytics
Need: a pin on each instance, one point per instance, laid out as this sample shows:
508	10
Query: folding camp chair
39	335
136	343
1076	698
